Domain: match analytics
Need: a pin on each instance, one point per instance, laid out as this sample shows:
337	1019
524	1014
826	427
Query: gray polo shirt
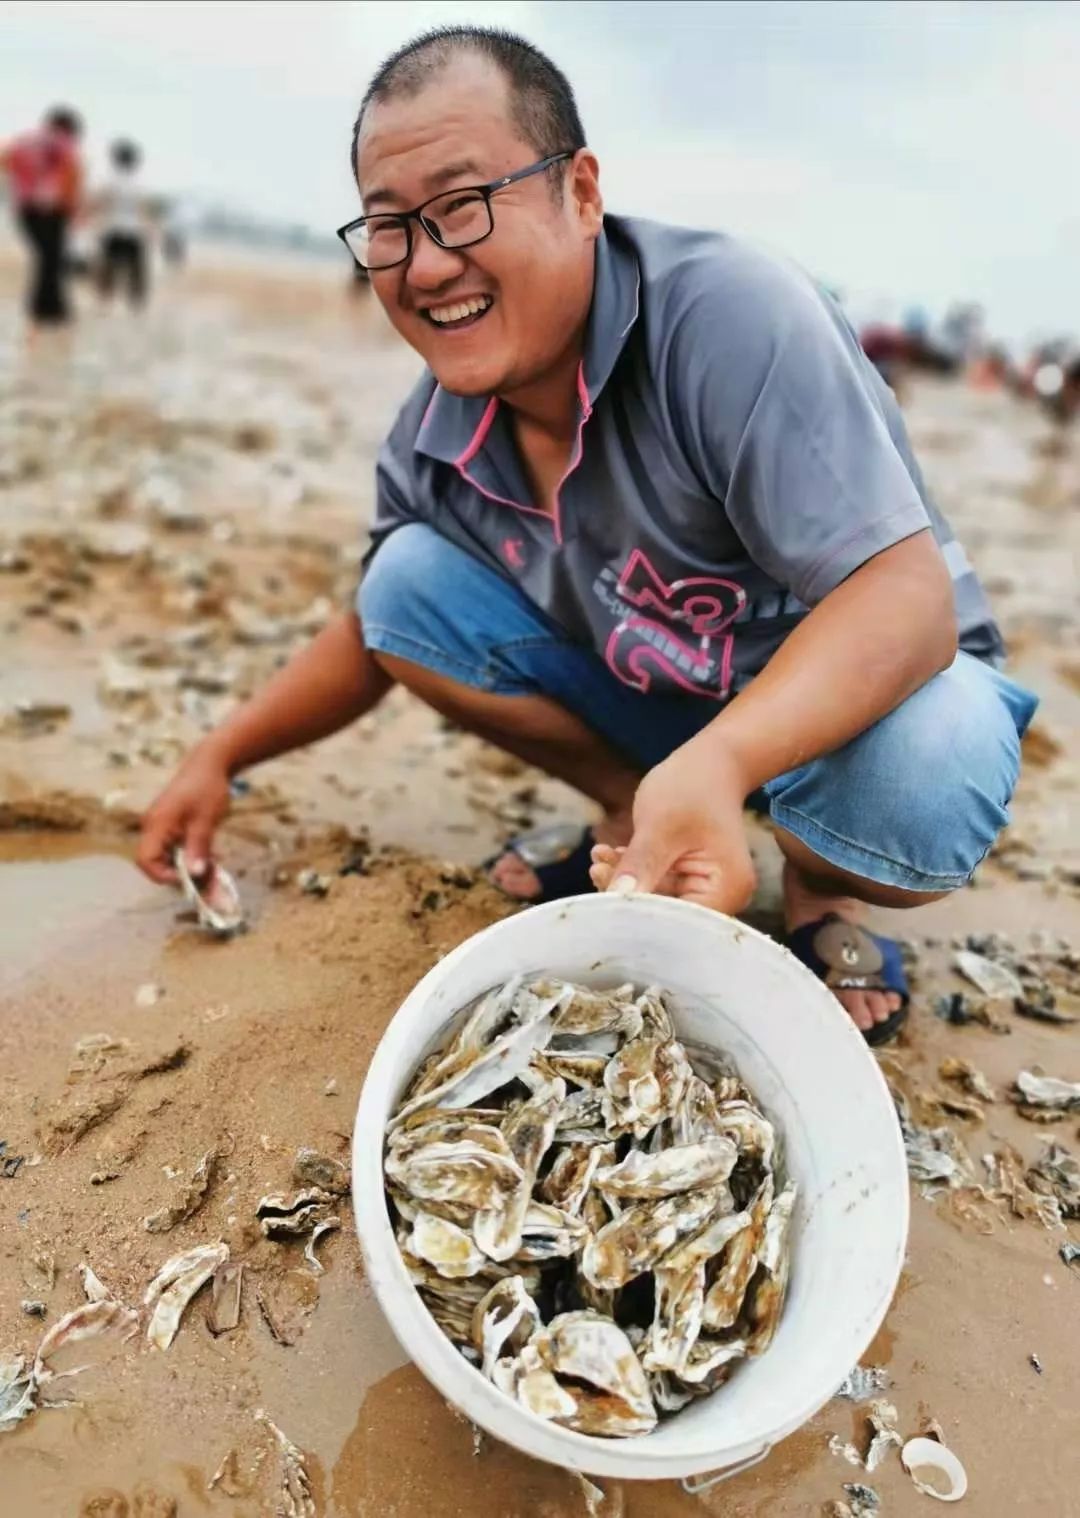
737	457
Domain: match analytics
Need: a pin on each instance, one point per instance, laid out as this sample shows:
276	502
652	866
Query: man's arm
873	641
322	689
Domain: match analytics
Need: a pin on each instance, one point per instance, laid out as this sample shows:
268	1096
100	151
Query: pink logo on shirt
687	642
512	552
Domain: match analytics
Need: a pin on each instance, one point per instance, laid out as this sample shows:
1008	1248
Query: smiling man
651	521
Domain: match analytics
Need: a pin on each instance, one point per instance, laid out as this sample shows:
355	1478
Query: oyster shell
528	1131
464	1171
295	1500
685	1167
503	1322
223	1313
599	1369
331	1225
765	1300
567	1182
643	1235
486	1069
643	1085
934	1469
216	903
748	1128
449	1248
548	1233
724	1298
996	981
590	1012
173	1287
583	1070
280	1213
1046	1091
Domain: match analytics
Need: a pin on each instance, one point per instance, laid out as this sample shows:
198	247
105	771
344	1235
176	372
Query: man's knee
917	800
404	574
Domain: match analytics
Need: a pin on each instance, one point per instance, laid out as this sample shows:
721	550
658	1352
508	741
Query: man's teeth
461	310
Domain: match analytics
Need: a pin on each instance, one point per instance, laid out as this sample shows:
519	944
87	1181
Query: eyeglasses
453	219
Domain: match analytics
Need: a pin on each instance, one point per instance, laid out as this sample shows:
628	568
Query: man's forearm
871	643
327	685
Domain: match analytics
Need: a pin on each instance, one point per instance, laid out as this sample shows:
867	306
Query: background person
45	172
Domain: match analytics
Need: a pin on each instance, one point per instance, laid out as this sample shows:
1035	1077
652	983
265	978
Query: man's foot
515	876
803	905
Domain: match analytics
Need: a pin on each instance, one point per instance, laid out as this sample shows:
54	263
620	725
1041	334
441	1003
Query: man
123	223
652	523
45	173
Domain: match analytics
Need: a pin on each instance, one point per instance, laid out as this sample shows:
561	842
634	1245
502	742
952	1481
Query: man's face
535	270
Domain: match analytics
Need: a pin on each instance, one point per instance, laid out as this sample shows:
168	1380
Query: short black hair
125	154
542	102
63	119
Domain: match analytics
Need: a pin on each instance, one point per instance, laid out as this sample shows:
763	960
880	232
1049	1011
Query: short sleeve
786	422
396	494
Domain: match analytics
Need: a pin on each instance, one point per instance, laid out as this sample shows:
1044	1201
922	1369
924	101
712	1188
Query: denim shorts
914	801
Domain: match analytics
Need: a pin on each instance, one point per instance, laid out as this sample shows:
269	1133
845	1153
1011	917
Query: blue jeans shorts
915	801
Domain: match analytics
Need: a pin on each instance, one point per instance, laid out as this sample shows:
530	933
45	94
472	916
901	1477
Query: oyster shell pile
591	1210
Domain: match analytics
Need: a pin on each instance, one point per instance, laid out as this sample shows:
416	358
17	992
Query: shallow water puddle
62	890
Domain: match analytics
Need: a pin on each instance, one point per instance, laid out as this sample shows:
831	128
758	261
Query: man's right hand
186	814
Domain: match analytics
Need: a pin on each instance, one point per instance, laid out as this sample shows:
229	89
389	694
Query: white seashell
217	904
173	1287
994	981
444	1245
934	1469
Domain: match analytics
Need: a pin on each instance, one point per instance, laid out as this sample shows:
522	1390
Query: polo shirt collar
453	426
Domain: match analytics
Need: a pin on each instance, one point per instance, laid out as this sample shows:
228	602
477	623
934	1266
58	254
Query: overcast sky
922	151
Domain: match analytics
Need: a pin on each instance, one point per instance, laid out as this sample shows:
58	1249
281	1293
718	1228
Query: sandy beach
182	503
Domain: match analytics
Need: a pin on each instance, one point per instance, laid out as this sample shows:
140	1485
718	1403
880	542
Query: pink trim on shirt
477	442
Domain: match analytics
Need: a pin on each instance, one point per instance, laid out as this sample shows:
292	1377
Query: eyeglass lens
454	220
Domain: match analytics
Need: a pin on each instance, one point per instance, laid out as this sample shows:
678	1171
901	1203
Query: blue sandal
558	855
847	957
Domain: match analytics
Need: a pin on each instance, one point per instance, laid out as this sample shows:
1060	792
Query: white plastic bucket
808	1065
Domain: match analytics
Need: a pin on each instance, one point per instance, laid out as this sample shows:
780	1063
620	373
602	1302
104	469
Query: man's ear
585	190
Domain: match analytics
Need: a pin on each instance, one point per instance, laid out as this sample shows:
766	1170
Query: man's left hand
689	839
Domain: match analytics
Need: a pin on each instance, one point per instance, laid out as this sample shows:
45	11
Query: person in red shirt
45	173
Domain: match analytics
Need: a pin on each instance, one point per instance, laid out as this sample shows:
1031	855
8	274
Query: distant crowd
1049	374
115	222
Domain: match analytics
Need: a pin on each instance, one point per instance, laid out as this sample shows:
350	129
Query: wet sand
181	503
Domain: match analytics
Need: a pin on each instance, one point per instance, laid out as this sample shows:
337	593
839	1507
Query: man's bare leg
541	732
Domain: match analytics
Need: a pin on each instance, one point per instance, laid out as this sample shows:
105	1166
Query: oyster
996	981
286	1302
745	1125
190	1199
966	1076
584	1070
528	1131
331	1225
567	1182
643	1085
548	1233
1056	1173
595	1363
485	1069
503	1322
216	903
1048	1091
173	1287
449	1248
680	1301
297	1214
643	1235
464	1171
685	1167
765	1299
590	1012
724	1298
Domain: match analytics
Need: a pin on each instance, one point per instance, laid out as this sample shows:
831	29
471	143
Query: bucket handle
694	1486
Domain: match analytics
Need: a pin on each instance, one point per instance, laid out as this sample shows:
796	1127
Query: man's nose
431	265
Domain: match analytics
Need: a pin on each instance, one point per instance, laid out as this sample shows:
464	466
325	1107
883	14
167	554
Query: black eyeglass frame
406	218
